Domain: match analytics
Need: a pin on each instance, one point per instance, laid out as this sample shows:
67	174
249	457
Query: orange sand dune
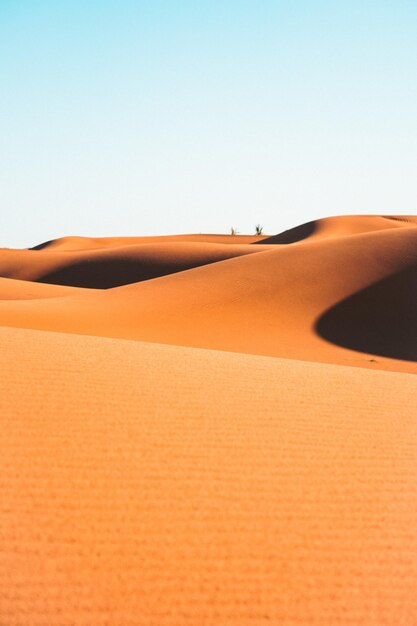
341	226
91	243
277	303
147	484
11	289
103	267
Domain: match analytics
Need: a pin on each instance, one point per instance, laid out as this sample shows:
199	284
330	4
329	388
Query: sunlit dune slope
277	303
341	226
11	289
103	267
149	484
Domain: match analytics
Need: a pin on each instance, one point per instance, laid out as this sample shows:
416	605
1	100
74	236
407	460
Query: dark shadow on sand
380	319
108	273
43	245
290	236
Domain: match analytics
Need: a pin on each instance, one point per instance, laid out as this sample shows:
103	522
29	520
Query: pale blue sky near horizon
160	117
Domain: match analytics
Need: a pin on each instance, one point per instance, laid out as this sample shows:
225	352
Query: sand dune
105	267
11	289
275	303
206	453
148	484
92	243
341	226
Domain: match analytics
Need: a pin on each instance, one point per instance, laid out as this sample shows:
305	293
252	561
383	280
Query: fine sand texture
211	430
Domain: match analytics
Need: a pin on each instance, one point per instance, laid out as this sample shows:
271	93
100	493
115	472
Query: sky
122	117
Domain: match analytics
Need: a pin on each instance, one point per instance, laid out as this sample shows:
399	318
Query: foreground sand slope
350	299
159	485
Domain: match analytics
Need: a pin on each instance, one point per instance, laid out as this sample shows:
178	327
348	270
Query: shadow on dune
290	236
380	319
108	273
43	245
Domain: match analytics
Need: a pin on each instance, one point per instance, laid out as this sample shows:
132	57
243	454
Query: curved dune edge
379	319
102	263
267	303
156	484
341	226
107	267
14	289
93	243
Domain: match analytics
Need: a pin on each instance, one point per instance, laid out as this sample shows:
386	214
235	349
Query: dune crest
340	226
93	243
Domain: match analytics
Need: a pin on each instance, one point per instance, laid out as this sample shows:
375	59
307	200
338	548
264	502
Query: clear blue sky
127	117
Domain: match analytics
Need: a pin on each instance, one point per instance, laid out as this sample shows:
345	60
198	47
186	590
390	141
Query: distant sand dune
340	226
275	303
104	267
93	243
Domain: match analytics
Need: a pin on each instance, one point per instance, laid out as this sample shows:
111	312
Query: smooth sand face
148	483
151	484
11	289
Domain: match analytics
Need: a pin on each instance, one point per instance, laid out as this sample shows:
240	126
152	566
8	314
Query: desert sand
211	429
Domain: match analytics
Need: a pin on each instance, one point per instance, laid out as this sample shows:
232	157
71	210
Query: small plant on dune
233	231
258	229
